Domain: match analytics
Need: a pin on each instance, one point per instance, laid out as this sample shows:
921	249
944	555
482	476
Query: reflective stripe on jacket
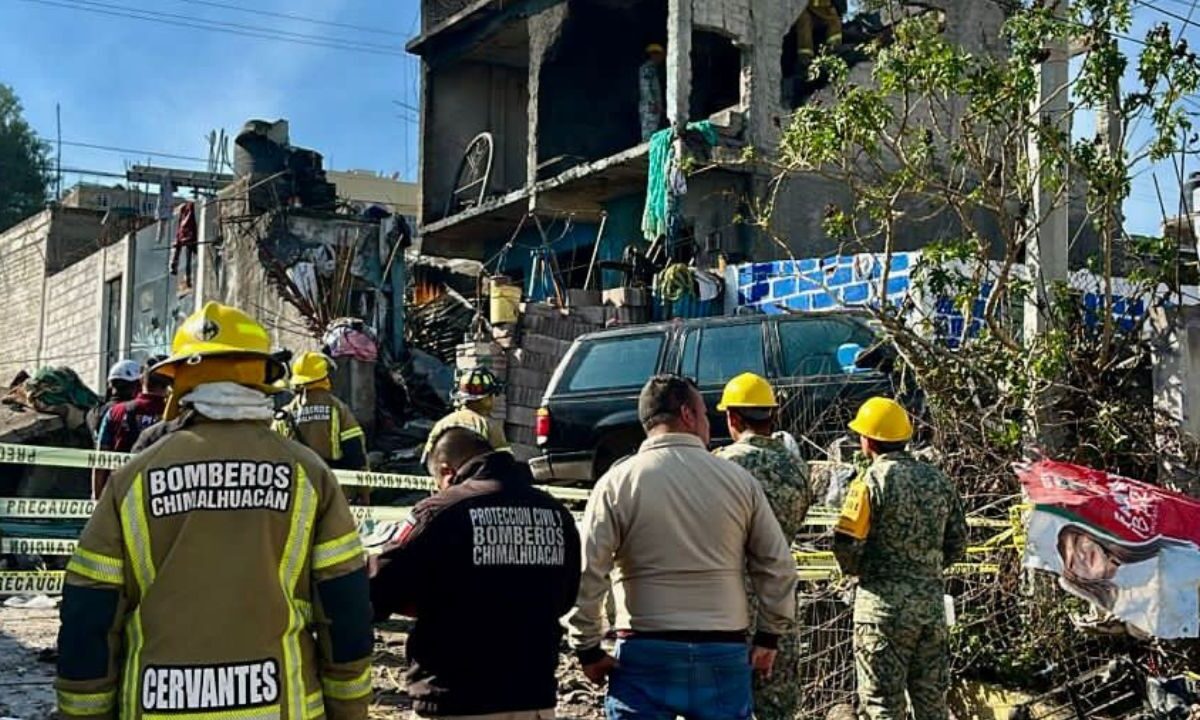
324	423
221	576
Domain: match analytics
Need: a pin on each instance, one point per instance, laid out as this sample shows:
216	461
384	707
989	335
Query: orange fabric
248	371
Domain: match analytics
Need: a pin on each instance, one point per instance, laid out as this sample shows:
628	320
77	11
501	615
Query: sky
164	86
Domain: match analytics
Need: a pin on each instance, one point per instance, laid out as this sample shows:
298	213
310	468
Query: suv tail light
541	426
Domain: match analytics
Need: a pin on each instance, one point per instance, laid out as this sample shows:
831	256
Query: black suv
588	418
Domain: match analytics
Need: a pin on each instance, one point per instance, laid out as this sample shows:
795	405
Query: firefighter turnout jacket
220	577
320	420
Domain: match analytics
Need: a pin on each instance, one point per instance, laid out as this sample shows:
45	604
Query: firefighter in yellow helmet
750	411
901	527
320	420
221	574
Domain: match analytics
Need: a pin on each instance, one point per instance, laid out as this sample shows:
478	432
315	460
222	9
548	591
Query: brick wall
56	318
22	271
72	318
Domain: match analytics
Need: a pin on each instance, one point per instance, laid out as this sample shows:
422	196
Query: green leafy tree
943	137
23	164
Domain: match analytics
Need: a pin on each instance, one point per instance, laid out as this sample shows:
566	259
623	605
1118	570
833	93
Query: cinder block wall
22	281
72	318
55	316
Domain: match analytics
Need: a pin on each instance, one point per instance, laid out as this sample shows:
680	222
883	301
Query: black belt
686	636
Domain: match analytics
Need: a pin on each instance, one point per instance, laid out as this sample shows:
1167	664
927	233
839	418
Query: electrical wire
1170	13
197	23
297	18
236	26
109	148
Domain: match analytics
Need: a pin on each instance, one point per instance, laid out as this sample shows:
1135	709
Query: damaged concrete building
88	287
531	137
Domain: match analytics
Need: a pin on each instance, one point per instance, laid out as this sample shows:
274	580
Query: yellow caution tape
37	546
31	583
95	459
56	508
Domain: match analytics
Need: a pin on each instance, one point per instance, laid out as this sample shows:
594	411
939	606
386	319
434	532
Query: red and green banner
1130	548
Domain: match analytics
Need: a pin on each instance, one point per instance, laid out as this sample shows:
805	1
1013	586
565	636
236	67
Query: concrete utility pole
1046	249
1046	254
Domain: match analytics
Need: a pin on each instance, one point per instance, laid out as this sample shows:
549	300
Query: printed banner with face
1130	548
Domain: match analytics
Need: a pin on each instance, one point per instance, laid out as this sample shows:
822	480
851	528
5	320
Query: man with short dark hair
487	566
679	529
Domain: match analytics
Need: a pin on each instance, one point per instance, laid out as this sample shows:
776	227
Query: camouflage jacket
784	477
917	529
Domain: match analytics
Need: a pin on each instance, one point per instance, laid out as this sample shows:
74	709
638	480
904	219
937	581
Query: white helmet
127	370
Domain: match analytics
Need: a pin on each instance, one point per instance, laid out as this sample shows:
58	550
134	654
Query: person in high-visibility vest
221	574
320	420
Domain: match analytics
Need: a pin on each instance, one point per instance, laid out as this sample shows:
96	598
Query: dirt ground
28	637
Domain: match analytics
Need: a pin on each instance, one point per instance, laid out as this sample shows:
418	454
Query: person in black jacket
487	566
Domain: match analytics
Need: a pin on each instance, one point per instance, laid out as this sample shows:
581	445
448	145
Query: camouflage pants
892	657
778	698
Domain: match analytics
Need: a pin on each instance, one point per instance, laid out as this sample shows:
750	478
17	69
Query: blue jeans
660	679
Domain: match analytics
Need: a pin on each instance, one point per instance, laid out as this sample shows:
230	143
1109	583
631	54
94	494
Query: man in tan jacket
221	575
679	530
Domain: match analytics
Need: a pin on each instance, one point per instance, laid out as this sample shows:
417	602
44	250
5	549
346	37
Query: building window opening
603	83
716	74
112	323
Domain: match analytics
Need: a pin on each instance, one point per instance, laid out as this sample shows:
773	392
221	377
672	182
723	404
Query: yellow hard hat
309	367
747	391
464	419
655	48
217	330
883	419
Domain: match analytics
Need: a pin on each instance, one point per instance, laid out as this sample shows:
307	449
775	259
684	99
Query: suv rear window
620	362
810	346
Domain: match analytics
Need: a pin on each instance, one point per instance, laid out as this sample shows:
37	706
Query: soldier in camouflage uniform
902	525
749	405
